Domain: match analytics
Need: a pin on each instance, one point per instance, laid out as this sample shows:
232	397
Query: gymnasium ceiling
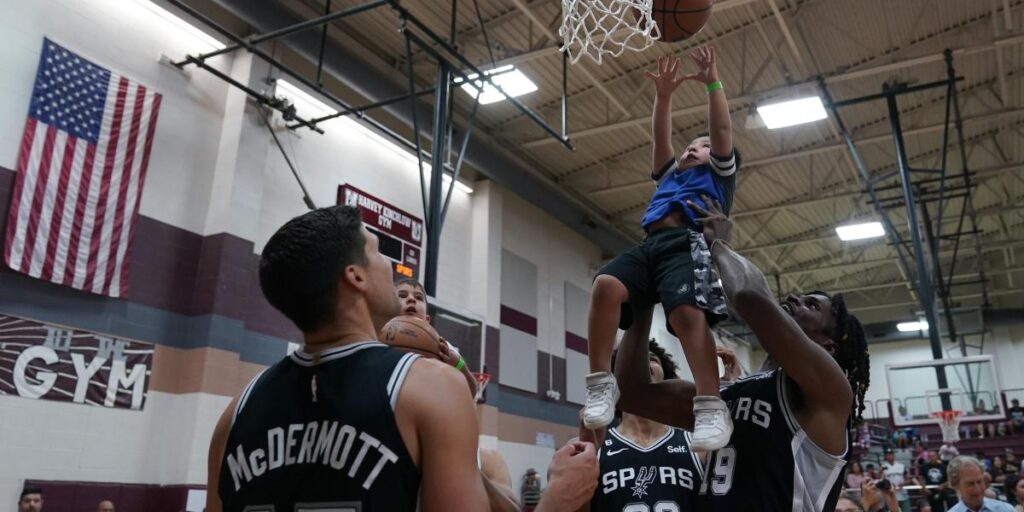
796	183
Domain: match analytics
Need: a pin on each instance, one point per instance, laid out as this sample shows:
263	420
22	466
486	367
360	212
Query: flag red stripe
104	191
154	112
19	182
37	199
58	208
76	228
122	193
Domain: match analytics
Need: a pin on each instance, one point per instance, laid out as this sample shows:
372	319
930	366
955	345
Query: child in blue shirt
673	264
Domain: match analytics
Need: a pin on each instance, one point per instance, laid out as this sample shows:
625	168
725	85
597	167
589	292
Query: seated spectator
985	461
901	413
1014	489
870	471
937	489
998	471
920	453
1011	459
980	407
923	506
31	500
979	431
1016	415
855	476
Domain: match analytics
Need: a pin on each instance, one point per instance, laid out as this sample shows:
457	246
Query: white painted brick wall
166	443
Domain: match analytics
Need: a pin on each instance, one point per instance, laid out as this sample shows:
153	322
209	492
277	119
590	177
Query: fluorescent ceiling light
308	107
510	79
789	113
182	25
919	325
860	231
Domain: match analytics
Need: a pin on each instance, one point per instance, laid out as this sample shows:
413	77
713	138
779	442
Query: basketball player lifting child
673	264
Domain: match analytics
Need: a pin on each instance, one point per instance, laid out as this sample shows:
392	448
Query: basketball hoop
482	379
598	27
949	422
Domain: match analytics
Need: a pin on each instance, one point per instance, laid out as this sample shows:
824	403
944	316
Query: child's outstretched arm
719	122
665	83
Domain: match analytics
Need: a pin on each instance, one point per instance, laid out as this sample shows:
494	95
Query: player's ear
355	276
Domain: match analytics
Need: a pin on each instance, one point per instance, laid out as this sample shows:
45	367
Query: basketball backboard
966	384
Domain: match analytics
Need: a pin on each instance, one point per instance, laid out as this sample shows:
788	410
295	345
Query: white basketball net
598	27
949	423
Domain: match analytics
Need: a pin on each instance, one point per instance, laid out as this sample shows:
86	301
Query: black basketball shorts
671	266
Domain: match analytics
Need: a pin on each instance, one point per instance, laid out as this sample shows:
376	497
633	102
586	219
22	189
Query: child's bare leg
606	299
691	327
712	424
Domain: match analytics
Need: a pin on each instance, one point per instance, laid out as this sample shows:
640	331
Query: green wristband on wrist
713	86
461	364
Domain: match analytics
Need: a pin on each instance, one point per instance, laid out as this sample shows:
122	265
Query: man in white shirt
967	476
895	472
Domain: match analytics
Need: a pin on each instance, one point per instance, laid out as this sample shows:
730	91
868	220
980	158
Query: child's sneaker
712	424
602	394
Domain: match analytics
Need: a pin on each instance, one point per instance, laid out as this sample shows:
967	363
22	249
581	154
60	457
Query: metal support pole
565	95
433	213
323	44
926	296
340	103
254	94
933	247
862	169
415	121
459	59
360	111
968	206
461	158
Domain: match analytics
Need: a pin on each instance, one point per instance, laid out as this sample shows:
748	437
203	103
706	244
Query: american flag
81	168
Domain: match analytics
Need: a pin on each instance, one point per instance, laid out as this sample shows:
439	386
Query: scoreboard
400	233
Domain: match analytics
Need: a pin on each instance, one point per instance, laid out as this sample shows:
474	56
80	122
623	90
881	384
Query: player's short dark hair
853	355
668	365
30	490
301	264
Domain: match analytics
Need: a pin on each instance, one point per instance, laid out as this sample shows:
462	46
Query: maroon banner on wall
50	362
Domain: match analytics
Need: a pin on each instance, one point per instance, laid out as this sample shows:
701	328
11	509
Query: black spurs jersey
769	464
662	478
318	432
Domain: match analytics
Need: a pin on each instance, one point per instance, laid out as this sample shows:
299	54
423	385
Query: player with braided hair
791	437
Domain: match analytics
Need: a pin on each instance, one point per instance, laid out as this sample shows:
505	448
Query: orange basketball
680	19
411	334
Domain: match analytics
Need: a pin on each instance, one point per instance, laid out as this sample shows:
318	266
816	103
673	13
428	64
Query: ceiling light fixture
918	325
860	231
510	79
794	112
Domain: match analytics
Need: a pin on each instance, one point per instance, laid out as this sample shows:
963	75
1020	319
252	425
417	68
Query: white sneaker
712	424
602	394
